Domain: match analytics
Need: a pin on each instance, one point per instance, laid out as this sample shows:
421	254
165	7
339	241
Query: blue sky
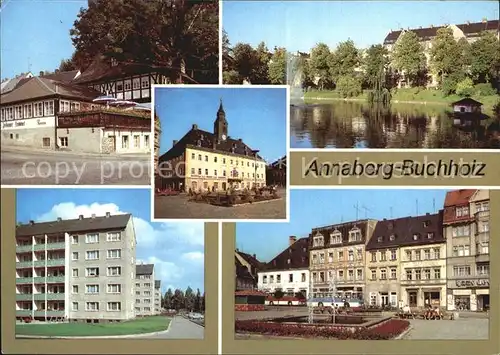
315	208
258	116
176	249
36	32
299	25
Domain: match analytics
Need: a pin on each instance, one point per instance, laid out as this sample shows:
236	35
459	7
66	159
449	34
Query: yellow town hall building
207	161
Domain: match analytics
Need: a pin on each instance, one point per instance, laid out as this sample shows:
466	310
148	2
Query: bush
484	89
450	82
348	86
465	87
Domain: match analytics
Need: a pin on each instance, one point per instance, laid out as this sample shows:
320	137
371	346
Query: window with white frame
145	82
38	109
350	255
383	255
28	113
330	257
336	237
75	273
19	112
482	206
92	272
92	238
3	114
114	288
383	274
461	231
74	106
92	306
114	271
128	85
113	237
92	255
74	306
147	293
393	273
74	256
136	83
340	274
48	108
359	274
483	269
340	256
74	239
462	211
114	254
359	254
355	235
114	306
350	275
318	241
75	289
92	288
373	274
417	255
394	254
64	106
461	270
322	258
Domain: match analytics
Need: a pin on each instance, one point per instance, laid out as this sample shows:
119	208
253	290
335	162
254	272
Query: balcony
423	282
39	246
482	257
482	215
55	296
48	314
39	263
56	262
24	264
23	312
24	248
55	279
39	280
24	296
39	296
24	280
56	246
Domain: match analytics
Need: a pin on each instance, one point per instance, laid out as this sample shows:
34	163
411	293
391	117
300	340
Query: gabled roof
62	76
458	197
11	84
144	269
297	253
241	270
467	102
38	88
197	138
113	222
402	230
279	164
344	229
251	259
477	27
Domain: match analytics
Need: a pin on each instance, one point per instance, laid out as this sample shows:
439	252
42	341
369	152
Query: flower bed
229	200
249	307
385	330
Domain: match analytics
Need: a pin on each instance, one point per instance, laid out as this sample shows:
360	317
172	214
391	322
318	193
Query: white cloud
176	249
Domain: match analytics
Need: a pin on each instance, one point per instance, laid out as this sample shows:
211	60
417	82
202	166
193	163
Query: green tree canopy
377	58
320	63
344	60
408	56
278	66
485	58
167	299
445	53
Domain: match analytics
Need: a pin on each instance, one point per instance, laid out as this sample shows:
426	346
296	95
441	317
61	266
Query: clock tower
220	124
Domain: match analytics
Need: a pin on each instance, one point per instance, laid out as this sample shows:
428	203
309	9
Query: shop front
424	296
468	295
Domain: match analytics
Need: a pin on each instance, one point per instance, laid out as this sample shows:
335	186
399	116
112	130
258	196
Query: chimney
427	214
292	239
195	127
468	22
385	219
59	219
254	256
108	214
93	215
32	222
80	217
484	20
174	142
237	250
240	140
432	26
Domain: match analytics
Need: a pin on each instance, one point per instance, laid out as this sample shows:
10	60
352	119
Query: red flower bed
385	330
249	307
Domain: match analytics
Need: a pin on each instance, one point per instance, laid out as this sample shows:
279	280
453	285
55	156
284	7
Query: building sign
40	122
105	119
7	125
19	124
473	283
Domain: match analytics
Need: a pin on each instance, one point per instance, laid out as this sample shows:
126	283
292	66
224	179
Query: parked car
195	316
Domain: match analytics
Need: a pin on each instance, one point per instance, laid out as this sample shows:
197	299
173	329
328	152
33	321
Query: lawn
136	326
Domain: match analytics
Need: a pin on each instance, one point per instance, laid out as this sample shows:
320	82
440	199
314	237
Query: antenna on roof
416	205
390	208
357	210
434	205
29	65
366	211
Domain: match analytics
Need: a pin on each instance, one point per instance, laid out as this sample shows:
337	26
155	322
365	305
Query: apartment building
466	228
144	290
337	256
423	261
158	297
288	271
211	161
77	270
382	263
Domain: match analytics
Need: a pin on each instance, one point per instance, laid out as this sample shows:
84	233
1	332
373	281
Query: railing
51	279
39	280
39	263
23	248
24	280
23	312
38	247
55	296
56	246
24	296
423	281
483	214
39	296
24	264
56	262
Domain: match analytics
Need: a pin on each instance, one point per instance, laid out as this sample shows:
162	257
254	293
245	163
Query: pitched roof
144	269
430	32
467	102
344	229
63	76
113	222
251	259
157	283
297	253
458	197
241	270
205	140
38	88
11	84
279	164
404	229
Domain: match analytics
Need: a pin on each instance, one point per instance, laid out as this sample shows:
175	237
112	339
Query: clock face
223	137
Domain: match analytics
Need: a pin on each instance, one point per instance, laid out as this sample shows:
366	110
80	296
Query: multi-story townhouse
243	278
144	290
423	260
382	263
203	160
288	271
158	297
79	270
276	173
337	254
466	228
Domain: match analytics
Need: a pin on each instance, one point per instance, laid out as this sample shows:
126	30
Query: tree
344	60
307	79
278	293
377	57
465	87
260	73
485	58
245	60
203	303
408	56
68	64
197	301
320	64
226	52
189	299
278	67
231	77
163	33
178	301
348	86
168	299
445	53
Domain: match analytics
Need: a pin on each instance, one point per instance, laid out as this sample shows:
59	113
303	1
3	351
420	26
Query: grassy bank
135	326
408	96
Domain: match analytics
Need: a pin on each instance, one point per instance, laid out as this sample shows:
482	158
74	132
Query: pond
353	124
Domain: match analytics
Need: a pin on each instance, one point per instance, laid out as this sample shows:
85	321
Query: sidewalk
30	150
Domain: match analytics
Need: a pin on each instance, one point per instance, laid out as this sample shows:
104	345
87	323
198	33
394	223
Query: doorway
412	298
224	186
384	299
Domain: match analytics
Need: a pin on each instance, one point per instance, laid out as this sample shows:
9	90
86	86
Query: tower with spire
220	124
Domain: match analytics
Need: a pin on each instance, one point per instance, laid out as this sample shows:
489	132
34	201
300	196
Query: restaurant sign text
473	283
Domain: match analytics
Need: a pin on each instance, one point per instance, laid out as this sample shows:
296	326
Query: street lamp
255	151
333	290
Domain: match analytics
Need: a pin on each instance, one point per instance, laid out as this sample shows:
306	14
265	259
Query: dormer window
274	262
430	235
355	235
288	261
336	237
198	143
114	62
427	224
201	137
379	239
290	251
390	226
392	237
415	236
318	240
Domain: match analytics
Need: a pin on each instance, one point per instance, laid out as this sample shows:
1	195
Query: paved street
23	167
181	328
180	207
459	329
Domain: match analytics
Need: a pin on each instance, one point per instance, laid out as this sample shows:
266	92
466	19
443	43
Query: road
459	329
180	207
62	168
180	328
